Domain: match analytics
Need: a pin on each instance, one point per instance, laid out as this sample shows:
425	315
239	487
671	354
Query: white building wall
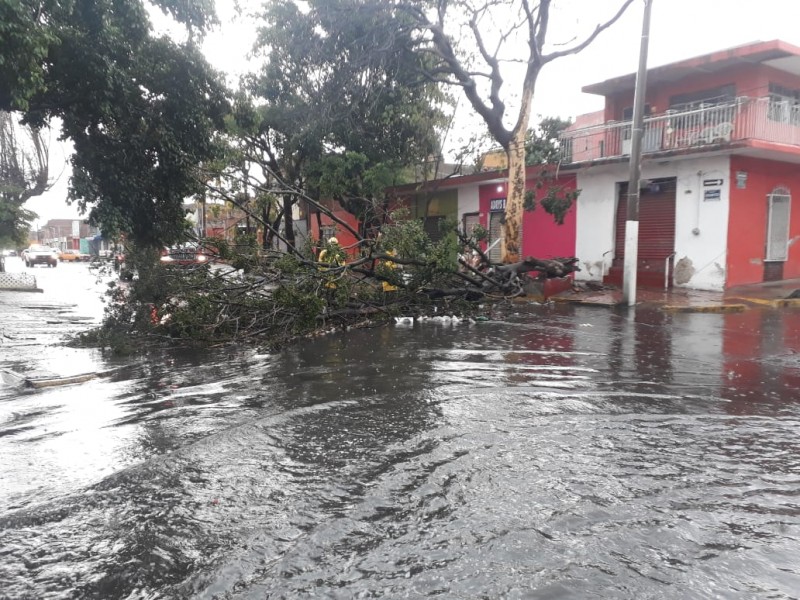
701	226
597	203
468	200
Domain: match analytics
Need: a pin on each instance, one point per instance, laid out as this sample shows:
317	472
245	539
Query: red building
720	197
721	171
322	227
479	199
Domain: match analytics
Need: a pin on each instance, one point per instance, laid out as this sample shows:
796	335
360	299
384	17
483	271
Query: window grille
328	231
713	97
784	104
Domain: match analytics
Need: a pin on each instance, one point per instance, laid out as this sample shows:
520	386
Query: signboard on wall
497	204
711	195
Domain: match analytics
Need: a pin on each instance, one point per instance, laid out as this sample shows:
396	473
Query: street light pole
637	133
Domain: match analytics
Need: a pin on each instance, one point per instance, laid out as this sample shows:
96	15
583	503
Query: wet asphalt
555	451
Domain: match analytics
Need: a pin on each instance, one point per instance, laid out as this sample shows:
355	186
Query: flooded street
552	452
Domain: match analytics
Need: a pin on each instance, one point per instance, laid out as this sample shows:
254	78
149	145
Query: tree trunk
203	225
515	196
266	238
287	221
319	225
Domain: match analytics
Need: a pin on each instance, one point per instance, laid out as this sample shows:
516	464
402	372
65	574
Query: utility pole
631	261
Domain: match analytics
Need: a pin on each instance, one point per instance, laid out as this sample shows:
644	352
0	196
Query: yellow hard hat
333	240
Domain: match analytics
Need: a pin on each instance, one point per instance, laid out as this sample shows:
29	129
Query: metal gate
656	232
495	233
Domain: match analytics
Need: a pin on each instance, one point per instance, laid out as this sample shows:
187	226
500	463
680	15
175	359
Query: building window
704	98
469	222
779	204
627	112
434	227
328	231
784	104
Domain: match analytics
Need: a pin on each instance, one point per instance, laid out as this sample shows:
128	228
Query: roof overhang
776	54
480	178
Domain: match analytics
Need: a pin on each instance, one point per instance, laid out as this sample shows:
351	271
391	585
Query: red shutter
656	230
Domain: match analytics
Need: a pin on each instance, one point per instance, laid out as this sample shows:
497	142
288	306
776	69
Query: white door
778	225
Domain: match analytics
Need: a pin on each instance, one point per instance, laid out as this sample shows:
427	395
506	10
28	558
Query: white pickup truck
36	254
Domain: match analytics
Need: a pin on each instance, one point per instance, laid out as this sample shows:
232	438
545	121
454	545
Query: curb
774	302
729	305
712	308
601	303
17	289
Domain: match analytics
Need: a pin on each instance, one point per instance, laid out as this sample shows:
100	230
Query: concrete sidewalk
771	294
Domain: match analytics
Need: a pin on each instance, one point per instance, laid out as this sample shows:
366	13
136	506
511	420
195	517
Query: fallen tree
270	298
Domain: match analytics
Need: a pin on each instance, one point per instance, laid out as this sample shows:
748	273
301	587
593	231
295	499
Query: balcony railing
742	119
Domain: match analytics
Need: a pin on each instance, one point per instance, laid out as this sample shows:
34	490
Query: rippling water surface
554	452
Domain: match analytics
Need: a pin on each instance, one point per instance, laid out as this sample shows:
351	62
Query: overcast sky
679	29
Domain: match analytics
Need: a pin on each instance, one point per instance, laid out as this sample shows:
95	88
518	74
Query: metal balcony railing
761	119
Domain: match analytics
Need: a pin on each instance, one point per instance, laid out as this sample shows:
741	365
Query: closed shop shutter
656	229
495	233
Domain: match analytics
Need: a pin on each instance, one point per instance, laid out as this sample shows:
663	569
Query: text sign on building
497	204
712	195
712	182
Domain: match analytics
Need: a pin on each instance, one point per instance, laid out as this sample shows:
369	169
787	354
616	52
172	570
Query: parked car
36	254
69	255
184	255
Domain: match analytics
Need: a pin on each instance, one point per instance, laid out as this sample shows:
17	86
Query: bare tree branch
598	30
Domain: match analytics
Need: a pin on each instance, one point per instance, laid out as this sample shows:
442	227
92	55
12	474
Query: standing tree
542	143
141	110
338	109
470	43
23	174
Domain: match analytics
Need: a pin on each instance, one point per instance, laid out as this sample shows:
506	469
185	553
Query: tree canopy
24	173
542	142
141	110
338	109
470	45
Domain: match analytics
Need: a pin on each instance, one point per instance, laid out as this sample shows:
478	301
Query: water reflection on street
553	452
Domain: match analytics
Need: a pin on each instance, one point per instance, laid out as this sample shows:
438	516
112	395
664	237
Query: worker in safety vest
332	254
388	287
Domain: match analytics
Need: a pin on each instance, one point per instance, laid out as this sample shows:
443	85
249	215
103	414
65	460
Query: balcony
743	119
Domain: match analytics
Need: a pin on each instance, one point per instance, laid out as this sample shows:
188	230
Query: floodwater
552	452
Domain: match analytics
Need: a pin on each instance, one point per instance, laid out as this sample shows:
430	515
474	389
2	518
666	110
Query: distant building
65	233
494	160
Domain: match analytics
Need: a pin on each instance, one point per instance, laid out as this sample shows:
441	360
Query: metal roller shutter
495	233
656	230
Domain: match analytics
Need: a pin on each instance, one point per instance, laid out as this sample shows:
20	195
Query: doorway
656	233
779	203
